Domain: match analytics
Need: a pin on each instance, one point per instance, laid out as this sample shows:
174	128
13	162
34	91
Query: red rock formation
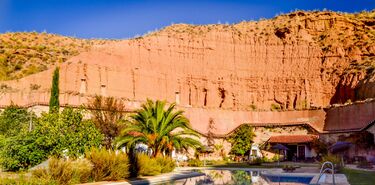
295	61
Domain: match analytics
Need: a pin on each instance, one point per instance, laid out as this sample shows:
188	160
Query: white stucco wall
309	152
257	150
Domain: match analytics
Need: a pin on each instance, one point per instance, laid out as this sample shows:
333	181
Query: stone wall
262	134
352	117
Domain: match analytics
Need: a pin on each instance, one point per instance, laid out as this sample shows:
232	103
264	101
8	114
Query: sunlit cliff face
302	60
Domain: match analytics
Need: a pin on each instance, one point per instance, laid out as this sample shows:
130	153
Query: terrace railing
323	170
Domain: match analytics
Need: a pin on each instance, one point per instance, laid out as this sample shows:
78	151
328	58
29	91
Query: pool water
295	179
239	177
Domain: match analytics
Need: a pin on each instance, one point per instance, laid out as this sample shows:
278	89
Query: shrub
266	160
82	170
241	139
365	164
166	163
336	160
275	158
256	161
148	166
27	181
153	166
253	107
107	165
64	172
195	163
40	173
13	120
66	131
53	133
21	152
107	113
61	170
319	146
275	107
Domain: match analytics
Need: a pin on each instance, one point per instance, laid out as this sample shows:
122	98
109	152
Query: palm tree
162	130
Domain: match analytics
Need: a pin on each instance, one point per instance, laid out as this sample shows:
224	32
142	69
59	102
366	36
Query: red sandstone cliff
294	61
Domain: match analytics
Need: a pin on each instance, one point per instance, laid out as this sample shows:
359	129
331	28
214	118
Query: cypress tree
54	103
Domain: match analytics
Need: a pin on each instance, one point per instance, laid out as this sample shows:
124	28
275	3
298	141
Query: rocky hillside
26	53
301	60
346	42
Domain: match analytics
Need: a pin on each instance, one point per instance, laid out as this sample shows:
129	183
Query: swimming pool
240	177
289	179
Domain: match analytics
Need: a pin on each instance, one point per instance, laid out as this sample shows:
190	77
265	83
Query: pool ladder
322	170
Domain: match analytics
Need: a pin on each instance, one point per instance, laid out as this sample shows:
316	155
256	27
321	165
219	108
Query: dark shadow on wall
354	87
343	94
365	89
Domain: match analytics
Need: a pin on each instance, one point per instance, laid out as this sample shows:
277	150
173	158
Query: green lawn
359	177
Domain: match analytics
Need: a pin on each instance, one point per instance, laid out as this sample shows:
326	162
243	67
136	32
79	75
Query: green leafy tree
22	151
66	133
107	115
241	140
161	129
13	120
55	133
54	102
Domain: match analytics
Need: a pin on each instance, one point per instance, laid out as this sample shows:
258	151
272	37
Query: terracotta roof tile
292	138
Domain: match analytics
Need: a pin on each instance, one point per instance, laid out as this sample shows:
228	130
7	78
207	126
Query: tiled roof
292	138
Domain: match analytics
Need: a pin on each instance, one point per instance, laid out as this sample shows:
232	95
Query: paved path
154	179
354	167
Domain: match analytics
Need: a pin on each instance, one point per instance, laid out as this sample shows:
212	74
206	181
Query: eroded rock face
297	61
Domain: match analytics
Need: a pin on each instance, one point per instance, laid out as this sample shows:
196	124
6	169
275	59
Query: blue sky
123	19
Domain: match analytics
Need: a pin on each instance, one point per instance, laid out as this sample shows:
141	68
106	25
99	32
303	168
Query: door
291	152
301	152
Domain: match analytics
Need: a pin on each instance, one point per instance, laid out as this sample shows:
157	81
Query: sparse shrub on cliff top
275	107
32	45
34	86
253	107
